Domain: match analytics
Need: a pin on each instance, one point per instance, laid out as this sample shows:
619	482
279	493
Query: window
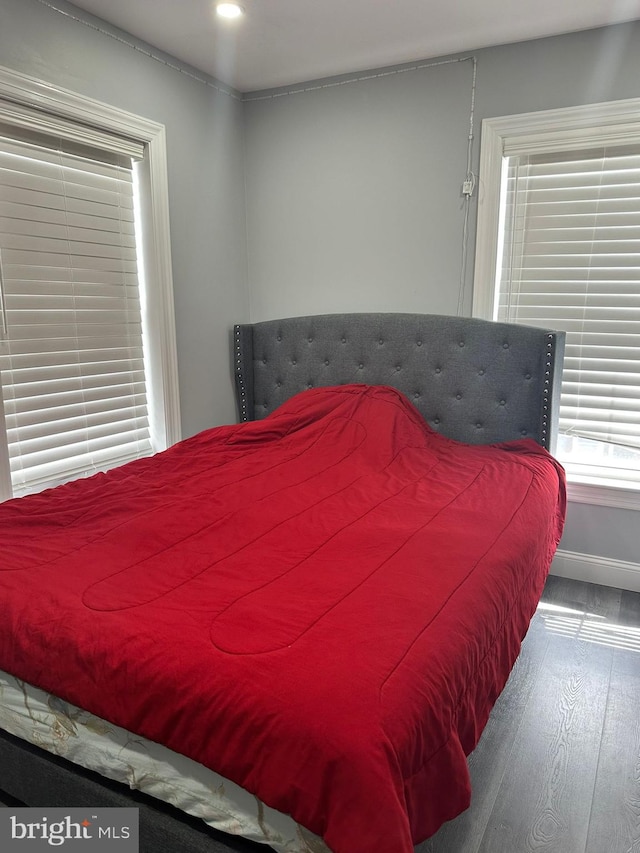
559	247
87	349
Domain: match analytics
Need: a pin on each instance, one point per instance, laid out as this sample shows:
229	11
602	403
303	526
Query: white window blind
571	260
71	359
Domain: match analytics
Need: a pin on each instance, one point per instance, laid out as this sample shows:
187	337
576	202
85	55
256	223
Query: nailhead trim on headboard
471	379
242	390
544	428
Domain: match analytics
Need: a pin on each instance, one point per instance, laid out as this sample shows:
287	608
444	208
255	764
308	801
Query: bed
349	421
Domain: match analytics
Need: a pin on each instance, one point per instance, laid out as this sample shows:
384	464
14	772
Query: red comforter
322	606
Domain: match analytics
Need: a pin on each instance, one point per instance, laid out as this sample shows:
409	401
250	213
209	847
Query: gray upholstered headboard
472	380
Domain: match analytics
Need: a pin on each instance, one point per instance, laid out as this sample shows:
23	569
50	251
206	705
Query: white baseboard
602	570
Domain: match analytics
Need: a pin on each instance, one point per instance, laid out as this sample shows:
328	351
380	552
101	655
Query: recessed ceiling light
229	10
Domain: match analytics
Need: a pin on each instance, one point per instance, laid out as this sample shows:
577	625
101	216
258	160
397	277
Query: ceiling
281	42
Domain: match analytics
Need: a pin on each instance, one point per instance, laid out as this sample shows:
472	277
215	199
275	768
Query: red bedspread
322	606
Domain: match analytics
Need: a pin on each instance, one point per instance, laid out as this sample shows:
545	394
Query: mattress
63	729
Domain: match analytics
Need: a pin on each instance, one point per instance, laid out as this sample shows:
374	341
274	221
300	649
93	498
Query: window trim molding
29	91
615	122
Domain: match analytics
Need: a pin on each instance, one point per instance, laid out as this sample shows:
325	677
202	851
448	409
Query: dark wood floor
557	769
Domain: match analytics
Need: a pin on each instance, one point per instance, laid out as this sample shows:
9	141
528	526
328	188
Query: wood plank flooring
557	769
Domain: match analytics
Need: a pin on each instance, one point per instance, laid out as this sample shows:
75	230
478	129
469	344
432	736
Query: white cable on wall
468	188
112	35
331	84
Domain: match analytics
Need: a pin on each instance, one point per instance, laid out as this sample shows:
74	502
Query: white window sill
600	473
625	496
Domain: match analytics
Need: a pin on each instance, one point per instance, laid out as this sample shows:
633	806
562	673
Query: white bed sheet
66	730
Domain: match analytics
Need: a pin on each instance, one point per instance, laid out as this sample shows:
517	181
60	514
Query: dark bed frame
472	380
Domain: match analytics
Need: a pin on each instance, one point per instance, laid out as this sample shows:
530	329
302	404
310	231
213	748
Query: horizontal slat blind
572	261
72	366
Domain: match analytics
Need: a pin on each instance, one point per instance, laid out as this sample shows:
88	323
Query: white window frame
612	123
158	307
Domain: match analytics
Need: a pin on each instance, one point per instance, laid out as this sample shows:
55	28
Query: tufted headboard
472	380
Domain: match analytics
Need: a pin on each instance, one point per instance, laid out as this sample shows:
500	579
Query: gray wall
354	192
206	184
354	195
